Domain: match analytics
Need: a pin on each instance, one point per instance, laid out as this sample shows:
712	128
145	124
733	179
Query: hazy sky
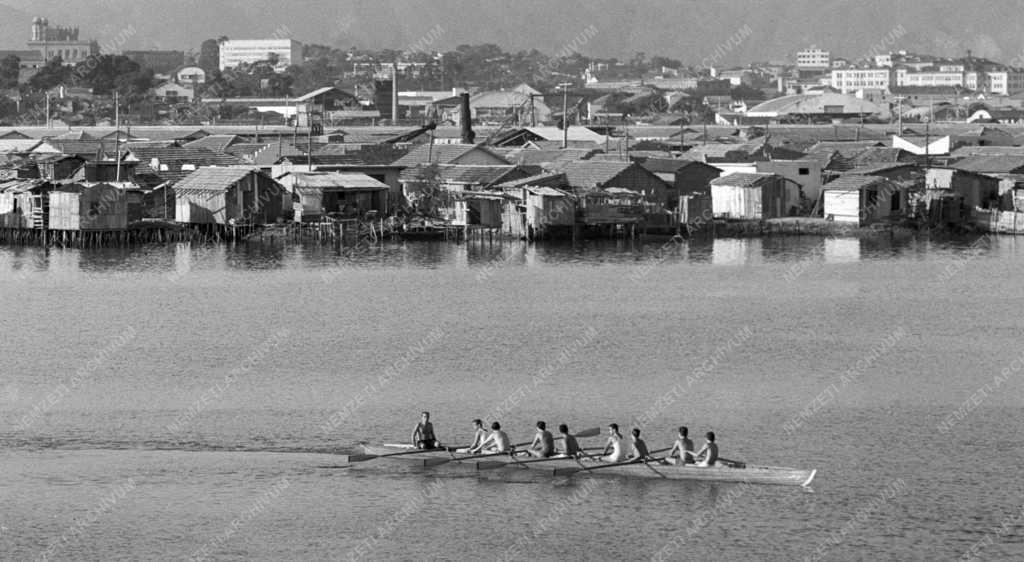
685	29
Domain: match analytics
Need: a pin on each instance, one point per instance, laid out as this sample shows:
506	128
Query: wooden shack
611	206
85	207
222	196
336	194
476	208
863	200
746	196
23	204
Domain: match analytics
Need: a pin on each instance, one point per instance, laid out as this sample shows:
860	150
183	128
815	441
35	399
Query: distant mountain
689	30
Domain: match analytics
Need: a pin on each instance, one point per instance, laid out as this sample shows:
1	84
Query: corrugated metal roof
460	175
742	179
438	153
213	179
336	180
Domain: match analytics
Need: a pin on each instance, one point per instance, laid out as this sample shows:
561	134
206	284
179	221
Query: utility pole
394	93
565	113
117	135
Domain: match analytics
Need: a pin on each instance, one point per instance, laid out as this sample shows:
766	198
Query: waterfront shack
323	194
479	209
23	205
88	207
610	206
974	189
747	196
223	196
863	200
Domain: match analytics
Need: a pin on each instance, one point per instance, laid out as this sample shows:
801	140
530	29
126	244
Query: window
871	198
894	199
804	171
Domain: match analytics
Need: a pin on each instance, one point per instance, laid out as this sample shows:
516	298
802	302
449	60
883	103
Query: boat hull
751	474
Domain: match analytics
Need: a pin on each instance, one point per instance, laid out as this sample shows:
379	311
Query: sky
721	32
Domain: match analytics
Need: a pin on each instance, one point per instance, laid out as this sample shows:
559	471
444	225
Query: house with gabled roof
750	196
229	196
462	154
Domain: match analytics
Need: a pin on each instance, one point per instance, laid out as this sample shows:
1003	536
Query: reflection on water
181	259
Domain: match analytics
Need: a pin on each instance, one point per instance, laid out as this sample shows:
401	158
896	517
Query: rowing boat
750	473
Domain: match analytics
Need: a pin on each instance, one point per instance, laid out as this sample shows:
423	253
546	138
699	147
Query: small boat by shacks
564	467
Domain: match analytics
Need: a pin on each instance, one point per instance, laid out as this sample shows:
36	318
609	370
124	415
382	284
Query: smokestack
466	119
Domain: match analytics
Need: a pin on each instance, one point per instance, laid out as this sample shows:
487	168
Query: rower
613	450
709	451
683	448
571	447
479	435
543	445
496	442
639	452
423	434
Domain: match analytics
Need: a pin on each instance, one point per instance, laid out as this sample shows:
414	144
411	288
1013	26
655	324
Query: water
168	403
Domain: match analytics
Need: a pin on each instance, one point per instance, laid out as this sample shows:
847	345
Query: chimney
466	119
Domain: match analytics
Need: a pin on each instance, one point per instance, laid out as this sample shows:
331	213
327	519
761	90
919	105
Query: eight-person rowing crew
543	445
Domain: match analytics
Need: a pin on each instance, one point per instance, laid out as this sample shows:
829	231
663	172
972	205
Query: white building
883	60
1004	82
929	78
813	58
853	79
238	51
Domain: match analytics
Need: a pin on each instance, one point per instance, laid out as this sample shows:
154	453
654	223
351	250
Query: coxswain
423	434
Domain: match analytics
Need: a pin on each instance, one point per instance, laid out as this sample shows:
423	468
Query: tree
10	69
51	75
209	55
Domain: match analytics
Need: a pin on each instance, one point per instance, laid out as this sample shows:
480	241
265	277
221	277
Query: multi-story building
813	59
1004	82
883	60
853	79
60	42
905	77
234	52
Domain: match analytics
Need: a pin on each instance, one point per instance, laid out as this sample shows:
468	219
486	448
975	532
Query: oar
570	470
365	457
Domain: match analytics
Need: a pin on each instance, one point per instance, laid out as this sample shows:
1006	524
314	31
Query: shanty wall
15	210
545	210
101	207
200	207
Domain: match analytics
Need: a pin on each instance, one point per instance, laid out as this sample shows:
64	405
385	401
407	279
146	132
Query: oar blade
360	458
592	432
490	465
437	461
567	471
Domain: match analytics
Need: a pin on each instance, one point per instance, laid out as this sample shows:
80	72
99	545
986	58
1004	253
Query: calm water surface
177	402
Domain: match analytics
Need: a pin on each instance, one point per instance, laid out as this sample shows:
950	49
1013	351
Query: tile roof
17	145
530	156
1003	164
438	153
741	180
878	168
216	143
591	174
967	151
212	179
484	176
546	179
179	161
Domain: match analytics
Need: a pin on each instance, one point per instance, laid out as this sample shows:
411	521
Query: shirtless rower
479	435
496	442
543	445
423	434
709	451
682	449
639	452
571	447
613	449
